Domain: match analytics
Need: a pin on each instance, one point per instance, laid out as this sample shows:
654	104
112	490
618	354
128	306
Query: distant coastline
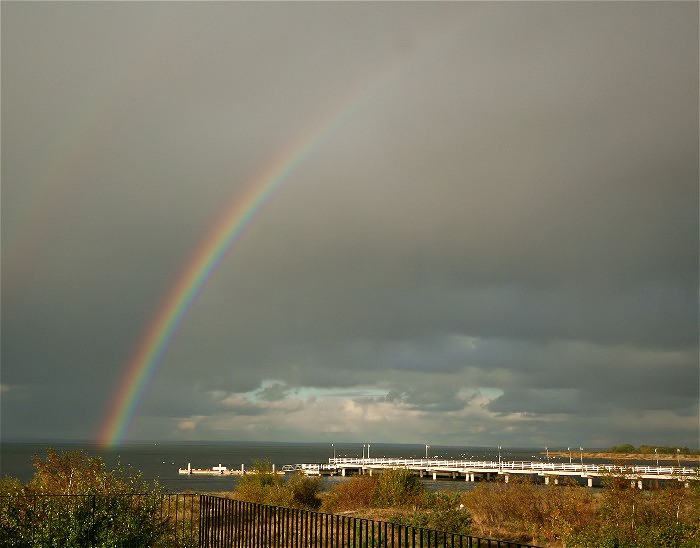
613	456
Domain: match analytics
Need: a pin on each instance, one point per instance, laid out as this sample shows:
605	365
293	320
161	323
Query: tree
74	500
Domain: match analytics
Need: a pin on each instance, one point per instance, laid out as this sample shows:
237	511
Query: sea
157	461
160	461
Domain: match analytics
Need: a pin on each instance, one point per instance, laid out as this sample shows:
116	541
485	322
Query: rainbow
202	265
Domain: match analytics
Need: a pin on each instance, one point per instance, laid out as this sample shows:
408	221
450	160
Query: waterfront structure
218	471
470	470
213	471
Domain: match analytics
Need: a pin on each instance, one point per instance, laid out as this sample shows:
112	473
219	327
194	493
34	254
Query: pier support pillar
556	480
434	476
640	485
546	480
242	469
370	472
506	477
343	472
472	477
590	482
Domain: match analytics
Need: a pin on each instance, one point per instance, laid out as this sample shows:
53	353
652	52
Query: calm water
160	461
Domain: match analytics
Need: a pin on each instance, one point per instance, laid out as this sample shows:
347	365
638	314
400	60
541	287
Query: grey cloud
508	207
430	400
273	392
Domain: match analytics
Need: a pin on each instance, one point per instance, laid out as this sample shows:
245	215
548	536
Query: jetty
213	471
469	470
218	471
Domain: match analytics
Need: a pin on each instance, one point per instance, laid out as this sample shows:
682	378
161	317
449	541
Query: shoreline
626	456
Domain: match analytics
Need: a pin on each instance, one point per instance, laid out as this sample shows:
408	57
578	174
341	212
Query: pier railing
495	466
504	467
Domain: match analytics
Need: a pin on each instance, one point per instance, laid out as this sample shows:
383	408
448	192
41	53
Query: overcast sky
493	238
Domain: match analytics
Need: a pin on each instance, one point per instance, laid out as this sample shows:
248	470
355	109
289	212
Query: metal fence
234	523
203	521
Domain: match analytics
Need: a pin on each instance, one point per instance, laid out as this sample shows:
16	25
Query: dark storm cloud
497	243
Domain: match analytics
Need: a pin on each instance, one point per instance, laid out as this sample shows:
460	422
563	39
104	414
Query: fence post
92	522
202	520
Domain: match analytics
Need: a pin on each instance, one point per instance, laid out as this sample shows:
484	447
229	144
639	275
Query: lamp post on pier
569	449
546	449
368	446
656	452
581	449
333	446
678	456
426	450
499	457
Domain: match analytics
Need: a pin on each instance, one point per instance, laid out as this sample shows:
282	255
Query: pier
218	471
468	470
213	471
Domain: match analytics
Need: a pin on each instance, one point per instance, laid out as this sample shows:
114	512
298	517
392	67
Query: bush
628	517
524	511
398	487
263	486
399	490
441	511
354	493
259	484
73	500
304	491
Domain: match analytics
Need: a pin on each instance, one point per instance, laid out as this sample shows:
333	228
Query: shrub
629	517
354	493
525	511
260	484
265	487
304	491
444	512
73	500
398	487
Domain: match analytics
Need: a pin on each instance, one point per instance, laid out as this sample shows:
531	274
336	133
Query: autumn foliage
74	500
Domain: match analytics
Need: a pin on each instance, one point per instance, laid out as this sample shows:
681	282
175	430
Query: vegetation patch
400	497
264	486
565	515
73	500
